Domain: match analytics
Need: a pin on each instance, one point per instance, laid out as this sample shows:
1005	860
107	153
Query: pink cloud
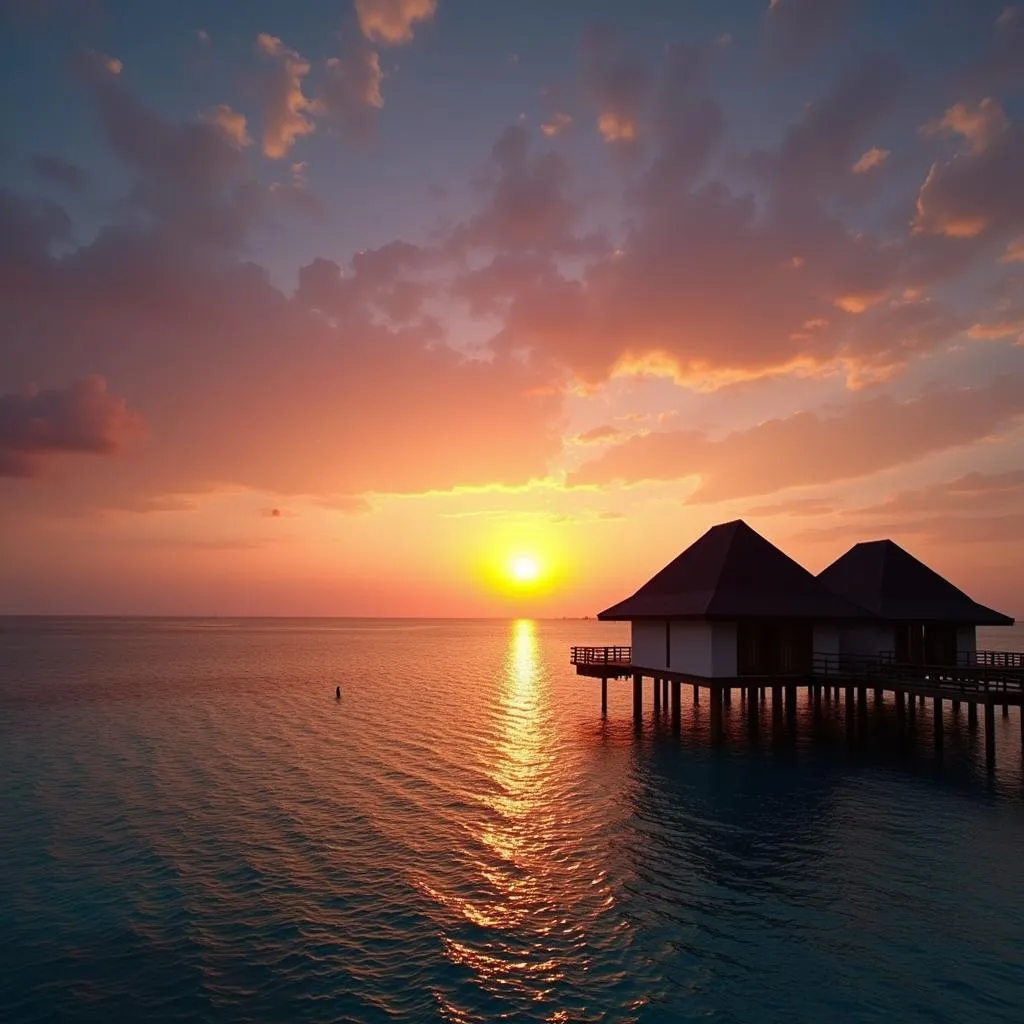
806	448
351	98
230	122
83	419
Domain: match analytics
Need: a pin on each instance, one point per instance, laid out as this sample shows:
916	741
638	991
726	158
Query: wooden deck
987	679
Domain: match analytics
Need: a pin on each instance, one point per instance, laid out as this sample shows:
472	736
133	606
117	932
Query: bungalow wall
865	639
694	647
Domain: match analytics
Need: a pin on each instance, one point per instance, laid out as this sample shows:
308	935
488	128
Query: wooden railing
856	669
994	659
601	655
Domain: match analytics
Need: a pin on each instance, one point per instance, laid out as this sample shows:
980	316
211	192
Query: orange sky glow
392	311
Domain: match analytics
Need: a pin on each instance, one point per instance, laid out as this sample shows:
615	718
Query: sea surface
193	827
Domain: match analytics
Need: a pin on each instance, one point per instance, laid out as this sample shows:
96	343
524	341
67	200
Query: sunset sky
459	307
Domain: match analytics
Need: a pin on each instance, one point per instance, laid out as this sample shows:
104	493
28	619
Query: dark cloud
60	172
82	419
795	29
350	98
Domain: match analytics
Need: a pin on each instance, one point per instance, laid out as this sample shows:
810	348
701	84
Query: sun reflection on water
525	898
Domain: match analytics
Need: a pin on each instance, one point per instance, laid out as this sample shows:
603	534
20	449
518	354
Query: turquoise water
193	828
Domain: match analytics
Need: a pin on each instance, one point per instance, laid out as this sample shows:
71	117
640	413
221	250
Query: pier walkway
986	678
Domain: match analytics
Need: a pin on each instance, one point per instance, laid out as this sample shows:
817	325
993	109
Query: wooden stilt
696	694
990	735
638	697
972	716
816	698
937	713
657	695
776	704
676	710
727	695
752	705
901	708
715	696
790	701
956	706
849	711
911	711
878	696
604	697
862	700
1006	711
664	692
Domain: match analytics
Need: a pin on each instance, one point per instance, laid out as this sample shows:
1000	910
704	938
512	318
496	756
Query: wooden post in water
816	698
752	706
790	701
878	695
676	710
862	700
776	705
715	696
911	710
972	716
657	696
727	695
956	706
604	696
1006	711
664	692
900	704
938	723
990	735
638	696
696	694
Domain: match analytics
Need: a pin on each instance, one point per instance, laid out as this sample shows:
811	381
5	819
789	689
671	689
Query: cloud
796	28
391	22
351	98
1002	63
973	492
60	172
870	160
286	111
600	435
807	448
528	202
797	507
617	84
978	190
230	122
191	176
820	150
1014	252
556	124
83	419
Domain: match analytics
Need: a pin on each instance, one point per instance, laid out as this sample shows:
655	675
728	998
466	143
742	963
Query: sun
524	568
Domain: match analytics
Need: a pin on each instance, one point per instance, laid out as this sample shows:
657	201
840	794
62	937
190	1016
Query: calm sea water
193	828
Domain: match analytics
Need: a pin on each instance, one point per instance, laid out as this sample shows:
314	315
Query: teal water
193	828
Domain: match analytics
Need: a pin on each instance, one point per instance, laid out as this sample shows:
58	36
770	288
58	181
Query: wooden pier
988	679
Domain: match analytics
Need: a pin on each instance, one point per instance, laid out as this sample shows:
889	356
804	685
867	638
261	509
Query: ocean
193	828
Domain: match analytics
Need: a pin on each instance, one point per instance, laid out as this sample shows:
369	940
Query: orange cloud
556	124
230	122
286	108
1014	252
807	449
870	160
391	22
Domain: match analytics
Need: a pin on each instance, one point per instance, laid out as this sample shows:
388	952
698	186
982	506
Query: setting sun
524	568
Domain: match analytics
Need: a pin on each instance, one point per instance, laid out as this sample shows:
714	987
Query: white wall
691	648
648	640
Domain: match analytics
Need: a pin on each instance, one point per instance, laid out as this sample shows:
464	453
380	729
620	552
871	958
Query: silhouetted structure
733	611
920	618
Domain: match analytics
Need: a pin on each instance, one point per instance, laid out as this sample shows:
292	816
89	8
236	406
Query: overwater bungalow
733	605
920	618
733	612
